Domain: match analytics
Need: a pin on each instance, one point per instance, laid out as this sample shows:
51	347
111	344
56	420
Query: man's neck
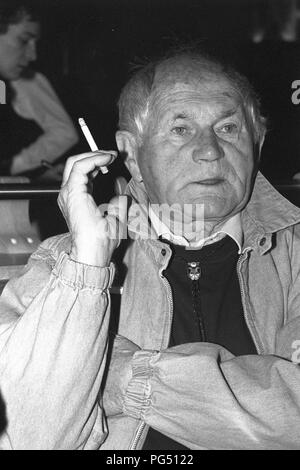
194	232
197	234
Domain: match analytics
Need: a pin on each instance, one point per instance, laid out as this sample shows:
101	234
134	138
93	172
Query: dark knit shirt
207	307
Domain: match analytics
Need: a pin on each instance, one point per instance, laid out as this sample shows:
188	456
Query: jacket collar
269	209
266	213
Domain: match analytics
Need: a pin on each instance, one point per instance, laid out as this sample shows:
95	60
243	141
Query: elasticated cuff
83	276
137	397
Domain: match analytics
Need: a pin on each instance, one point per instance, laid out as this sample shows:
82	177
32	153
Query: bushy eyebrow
183	115
228	113
223	115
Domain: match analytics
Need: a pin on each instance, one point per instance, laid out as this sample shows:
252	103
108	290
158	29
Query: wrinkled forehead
188	83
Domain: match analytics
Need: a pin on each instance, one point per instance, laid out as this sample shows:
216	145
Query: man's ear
128	147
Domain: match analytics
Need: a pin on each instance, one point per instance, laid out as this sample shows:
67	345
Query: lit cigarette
90	140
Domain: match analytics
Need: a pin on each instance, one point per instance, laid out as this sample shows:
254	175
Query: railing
287	185
27	191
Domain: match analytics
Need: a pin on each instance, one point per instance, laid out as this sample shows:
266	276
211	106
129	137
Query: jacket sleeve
203	397
53	341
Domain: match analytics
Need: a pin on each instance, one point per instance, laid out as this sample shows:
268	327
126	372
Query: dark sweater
208	308
16	133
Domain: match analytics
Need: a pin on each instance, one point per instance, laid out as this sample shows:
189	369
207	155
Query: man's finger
89	161
83	168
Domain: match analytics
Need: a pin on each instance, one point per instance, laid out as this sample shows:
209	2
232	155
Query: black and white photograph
149	227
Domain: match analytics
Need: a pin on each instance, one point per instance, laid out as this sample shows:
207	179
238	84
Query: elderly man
208	337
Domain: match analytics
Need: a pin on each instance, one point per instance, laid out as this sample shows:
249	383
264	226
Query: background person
34	125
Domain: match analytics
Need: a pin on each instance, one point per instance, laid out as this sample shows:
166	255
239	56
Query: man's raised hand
94	233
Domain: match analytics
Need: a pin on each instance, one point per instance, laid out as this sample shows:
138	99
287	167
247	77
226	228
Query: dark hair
135	99
14	11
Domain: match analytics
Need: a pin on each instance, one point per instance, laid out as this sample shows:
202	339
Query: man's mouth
211	181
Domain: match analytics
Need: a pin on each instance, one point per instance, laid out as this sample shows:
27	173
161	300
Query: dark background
88	47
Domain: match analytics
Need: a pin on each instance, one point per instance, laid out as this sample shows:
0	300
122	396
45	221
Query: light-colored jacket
53	342
54	321
199	394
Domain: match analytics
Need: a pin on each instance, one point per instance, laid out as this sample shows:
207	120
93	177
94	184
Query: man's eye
179	130
231	128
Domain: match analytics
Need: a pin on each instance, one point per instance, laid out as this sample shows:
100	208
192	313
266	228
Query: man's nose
207	147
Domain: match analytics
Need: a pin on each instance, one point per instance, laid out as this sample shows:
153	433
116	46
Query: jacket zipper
171	307
142	426
251	328
138	435
194	273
